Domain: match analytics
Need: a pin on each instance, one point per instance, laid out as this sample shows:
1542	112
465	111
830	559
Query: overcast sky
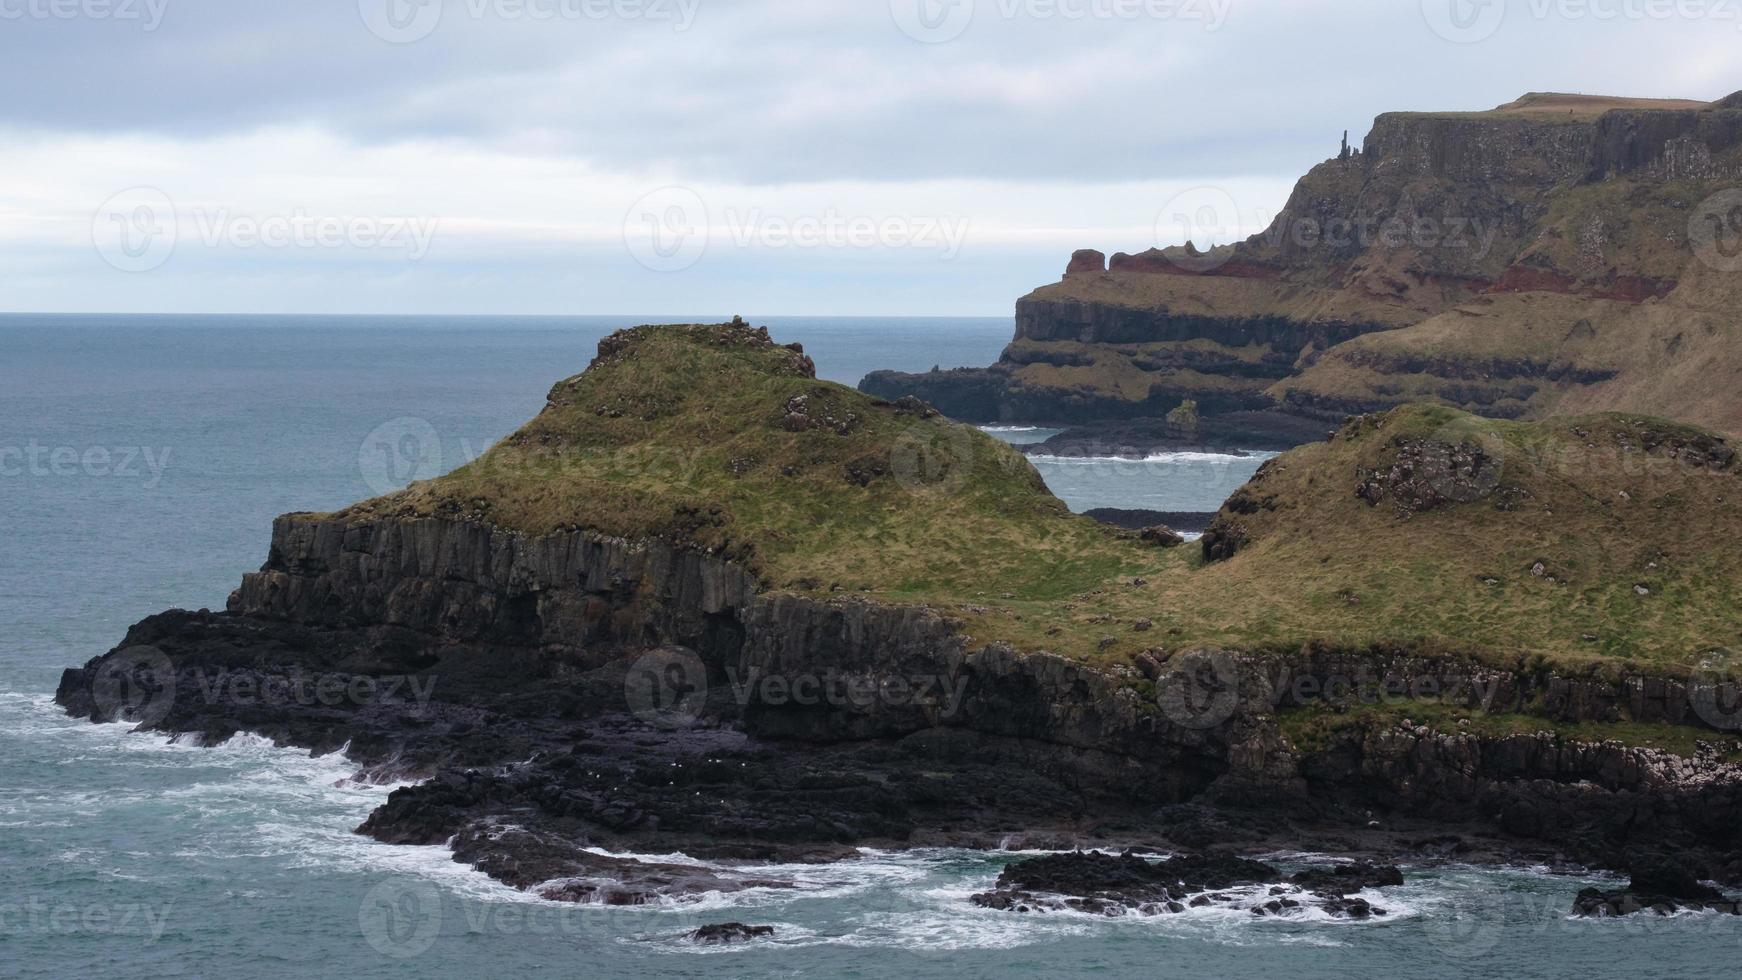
716	156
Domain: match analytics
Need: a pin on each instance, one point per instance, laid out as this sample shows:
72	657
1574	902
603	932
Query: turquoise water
124	855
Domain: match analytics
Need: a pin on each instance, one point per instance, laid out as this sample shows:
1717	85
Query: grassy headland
1578	541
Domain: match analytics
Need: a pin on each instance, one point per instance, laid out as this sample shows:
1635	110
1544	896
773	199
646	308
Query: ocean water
141	461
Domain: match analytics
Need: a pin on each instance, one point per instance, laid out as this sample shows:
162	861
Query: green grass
682	433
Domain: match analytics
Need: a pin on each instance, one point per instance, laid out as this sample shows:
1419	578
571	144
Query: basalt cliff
707	603
1557	255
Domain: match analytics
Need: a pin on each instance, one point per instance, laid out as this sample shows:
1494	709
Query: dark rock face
1048	320
1222	540
463	582
1227	533
729	932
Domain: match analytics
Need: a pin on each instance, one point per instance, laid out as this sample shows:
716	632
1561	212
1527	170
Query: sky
764	157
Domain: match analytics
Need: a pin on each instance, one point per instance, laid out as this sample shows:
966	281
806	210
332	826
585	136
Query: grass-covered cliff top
1568	106
1587	537
1590	273
1598	538
717	437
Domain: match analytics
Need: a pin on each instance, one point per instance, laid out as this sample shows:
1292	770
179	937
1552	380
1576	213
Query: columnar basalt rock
1423	267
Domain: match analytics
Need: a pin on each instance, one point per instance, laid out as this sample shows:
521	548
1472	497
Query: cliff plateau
1556	255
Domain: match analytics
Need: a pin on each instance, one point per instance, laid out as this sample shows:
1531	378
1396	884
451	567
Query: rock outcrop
1560	253
560	688
729	932
1128	884
1661	887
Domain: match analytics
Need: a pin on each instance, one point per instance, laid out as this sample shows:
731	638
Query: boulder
729	932
1659	885
1162	536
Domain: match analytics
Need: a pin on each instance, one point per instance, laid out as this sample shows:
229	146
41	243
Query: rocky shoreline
570	692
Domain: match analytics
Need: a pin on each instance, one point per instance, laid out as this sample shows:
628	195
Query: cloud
529	127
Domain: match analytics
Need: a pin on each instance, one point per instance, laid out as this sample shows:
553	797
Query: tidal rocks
1128	884
1343	879
1345	907
1107	884
1661	886
729	932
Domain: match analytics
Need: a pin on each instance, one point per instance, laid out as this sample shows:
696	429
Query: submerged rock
729	932
1105	884
1346	878
1661	887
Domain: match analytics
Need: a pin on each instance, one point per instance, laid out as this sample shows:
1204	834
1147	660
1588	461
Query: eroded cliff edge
563	687
1559	254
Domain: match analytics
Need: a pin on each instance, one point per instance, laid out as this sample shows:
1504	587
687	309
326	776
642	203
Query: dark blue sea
142	459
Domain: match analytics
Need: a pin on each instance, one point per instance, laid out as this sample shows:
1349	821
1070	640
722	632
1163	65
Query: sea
142	459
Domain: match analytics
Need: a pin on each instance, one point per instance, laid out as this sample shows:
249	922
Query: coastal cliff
569	653
1558	254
